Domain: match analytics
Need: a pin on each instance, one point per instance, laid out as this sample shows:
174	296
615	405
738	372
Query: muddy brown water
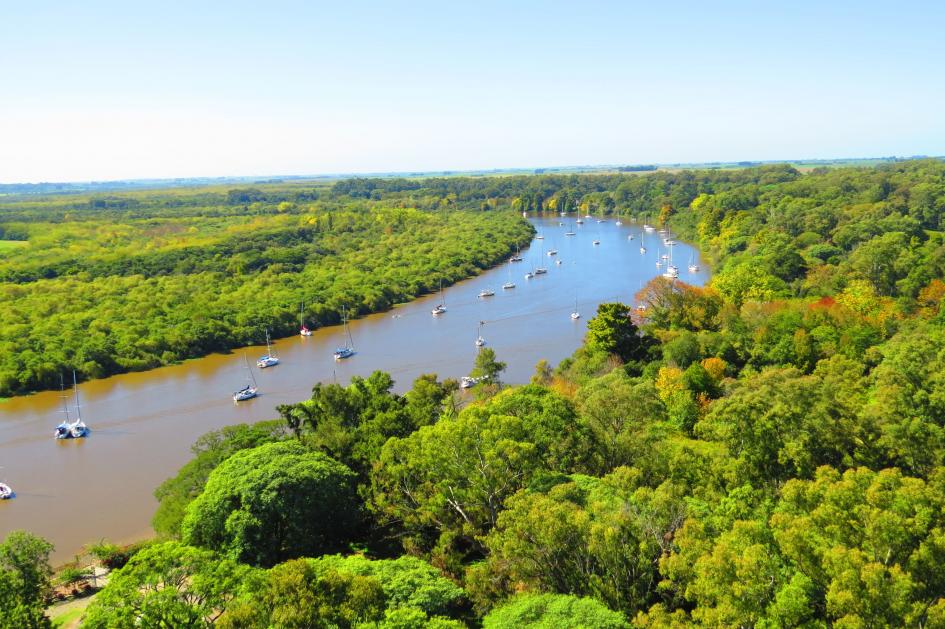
80	491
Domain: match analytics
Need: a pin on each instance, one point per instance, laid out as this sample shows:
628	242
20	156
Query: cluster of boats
270	359
71	428
251	389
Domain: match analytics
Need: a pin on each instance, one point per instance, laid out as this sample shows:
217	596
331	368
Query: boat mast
78	407
344	317
65	398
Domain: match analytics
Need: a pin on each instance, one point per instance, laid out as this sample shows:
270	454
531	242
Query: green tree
487	368
274	502
168	585
552	611
613	332
24	581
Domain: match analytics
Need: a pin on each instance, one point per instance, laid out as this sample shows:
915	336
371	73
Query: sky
101	90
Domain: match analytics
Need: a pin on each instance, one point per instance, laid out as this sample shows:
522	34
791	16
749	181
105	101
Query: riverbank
144	423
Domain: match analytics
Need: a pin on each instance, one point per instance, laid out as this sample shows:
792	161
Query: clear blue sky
108	90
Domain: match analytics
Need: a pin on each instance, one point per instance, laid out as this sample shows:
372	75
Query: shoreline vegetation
764	451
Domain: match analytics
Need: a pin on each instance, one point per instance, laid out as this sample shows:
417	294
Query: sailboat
269	359
62	430
672	271
579	221
647	228
618	223
440	308
570	232
348	350
541	270
693	267
303	329
479	340
510	283
77	429
575	315
486	292
251	389
517	257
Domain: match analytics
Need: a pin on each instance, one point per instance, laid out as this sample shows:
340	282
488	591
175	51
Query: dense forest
766	451
108	285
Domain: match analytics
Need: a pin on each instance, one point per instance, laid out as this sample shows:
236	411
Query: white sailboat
693	267
647	227
510	284
479	340
269	359
672	271
440	308
251	389
62	430
541	270
575	315
518	256
486	292
347	351
303	329
77	429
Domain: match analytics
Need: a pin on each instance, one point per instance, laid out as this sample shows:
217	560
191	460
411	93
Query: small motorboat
553	252
486	292
629	236
6	492
529	276
568	233
558	262
669	242
618	223
540	271
508	286
539	237
467	382
664	257
596	242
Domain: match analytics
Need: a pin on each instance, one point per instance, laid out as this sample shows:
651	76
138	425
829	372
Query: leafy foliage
274	502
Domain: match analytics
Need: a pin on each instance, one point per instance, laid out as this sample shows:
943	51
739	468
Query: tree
613	332
168	585
24	581
487	368
447	483
209	451
274	502
551	611
591	537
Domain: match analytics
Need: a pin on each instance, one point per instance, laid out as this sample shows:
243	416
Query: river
80	491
